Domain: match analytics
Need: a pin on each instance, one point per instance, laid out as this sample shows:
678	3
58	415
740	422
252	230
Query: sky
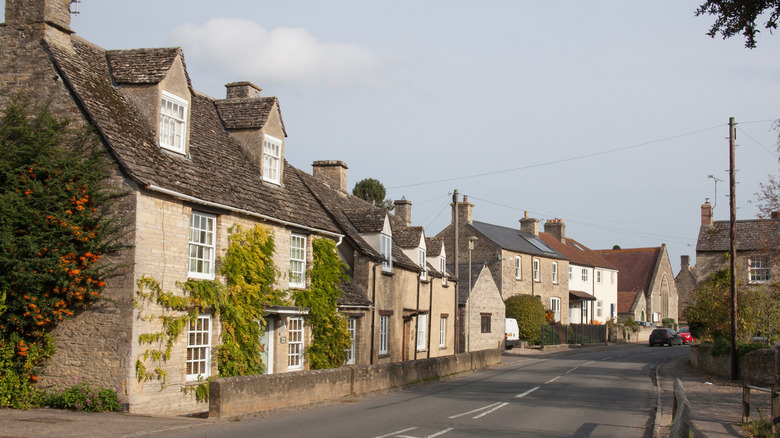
610	115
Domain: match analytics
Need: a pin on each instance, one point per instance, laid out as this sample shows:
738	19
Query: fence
775	391
560	334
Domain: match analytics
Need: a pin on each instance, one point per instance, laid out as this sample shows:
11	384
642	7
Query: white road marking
491	411
527	392
587	363
396	432
567	372
471	412
550	381
441	432
608	358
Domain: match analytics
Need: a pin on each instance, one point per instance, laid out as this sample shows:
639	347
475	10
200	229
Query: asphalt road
587	393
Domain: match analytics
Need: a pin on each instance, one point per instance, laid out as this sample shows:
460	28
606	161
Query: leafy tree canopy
529	313
373	191
733	17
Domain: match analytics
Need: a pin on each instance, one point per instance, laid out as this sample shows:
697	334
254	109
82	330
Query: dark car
685	334
665	336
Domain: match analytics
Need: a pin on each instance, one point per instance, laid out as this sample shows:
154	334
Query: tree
529	313
56	230
739	17
768	198
373	191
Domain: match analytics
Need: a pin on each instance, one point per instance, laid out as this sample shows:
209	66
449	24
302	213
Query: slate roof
576	252
636	267
247	113
516	240
752	235
217	169
143	66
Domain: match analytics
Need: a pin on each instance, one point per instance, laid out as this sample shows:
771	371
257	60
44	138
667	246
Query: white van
511	333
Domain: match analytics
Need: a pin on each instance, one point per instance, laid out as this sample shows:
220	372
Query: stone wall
757	367
237	396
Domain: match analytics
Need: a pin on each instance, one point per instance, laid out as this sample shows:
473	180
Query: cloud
282	55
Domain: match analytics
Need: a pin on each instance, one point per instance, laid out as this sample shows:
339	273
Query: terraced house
193	167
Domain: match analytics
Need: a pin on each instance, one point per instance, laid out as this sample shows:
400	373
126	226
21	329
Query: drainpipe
430	316
373	314
417	320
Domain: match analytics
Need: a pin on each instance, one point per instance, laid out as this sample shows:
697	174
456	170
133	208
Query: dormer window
423	264
173	123
272	159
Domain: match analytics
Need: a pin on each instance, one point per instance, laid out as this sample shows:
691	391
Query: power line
563	160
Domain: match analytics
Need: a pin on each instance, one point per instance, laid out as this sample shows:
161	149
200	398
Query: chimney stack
706	213
464	211
529	225
403	210
332	173
775	215
242	90
556	228
36	12
685	262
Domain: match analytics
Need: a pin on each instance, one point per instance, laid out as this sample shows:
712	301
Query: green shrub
19	364
83	397
529	313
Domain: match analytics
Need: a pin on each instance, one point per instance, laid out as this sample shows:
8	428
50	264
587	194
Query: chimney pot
556	228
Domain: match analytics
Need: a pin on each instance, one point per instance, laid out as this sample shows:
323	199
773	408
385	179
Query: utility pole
457	262
733	249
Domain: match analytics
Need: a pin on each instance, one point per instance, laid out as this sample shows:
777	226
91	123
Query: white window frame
423	264
198	362
422	323
298	244
272	159
352	330
443	332
611	278
584	274
202	245
518	268
571	275
384	321
295	334
759	271
443	269
598	277
387	252
555	306
599	308
537	270
173	123
555	272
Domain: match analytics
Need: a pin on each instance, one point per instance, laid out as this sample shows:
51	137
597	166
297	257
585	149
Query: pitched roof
249	113
142	66
351	295
576	252
217	169
636	267
752	235
434	246
516	240
408	237
367	219
463	278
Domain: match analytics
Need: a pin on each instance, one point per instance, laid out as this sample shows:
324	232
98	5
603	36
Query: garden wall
757	367
236	396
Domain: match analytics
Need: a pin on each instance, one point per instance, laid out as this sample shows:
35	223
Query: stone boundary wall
756	367
237	396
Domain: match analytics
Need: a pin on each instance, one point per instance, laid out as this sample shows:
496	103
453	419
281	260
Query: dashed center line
490	411
552	380
588	363
396	432
527	392
477	410
567	372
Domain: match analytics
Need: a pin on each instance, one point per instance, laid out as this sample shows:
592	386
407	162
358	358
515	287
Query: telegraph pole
733	249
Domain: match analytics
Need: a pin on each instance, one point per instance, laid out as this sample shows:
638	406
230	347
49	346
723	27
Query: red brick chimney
706	214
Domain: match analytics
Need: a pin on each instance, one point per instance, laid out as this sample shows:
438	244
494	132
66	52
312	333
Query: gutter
184	197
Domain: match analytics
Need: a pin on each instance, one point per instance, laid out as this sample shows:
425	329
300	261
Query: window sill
441	347
423	350
388	273
384	356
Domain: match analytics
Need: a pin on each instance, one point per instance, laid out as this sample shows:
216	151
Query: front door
267	345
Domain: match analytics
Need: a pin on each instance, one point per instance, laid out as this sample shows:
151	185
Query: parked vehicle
665	336
511	333
685	334
645	323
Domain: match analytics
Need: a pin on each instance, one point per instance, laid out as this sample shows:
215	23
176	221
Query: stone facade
484	304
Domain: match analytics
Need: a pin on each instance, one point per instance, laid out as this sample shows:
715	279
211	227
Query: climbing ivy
330	337
250	275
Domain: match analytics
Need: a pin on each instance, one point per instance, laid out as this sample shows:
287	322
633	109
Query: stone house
482	309
646	288
757	244
593	293
519	260
193	167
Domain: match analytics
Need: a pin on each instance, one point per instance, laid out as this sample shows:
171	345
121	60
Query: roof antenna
716	189
74	7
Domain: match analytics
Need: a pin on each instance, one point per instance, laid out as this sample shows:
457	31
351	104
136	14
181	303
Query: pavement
716	408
